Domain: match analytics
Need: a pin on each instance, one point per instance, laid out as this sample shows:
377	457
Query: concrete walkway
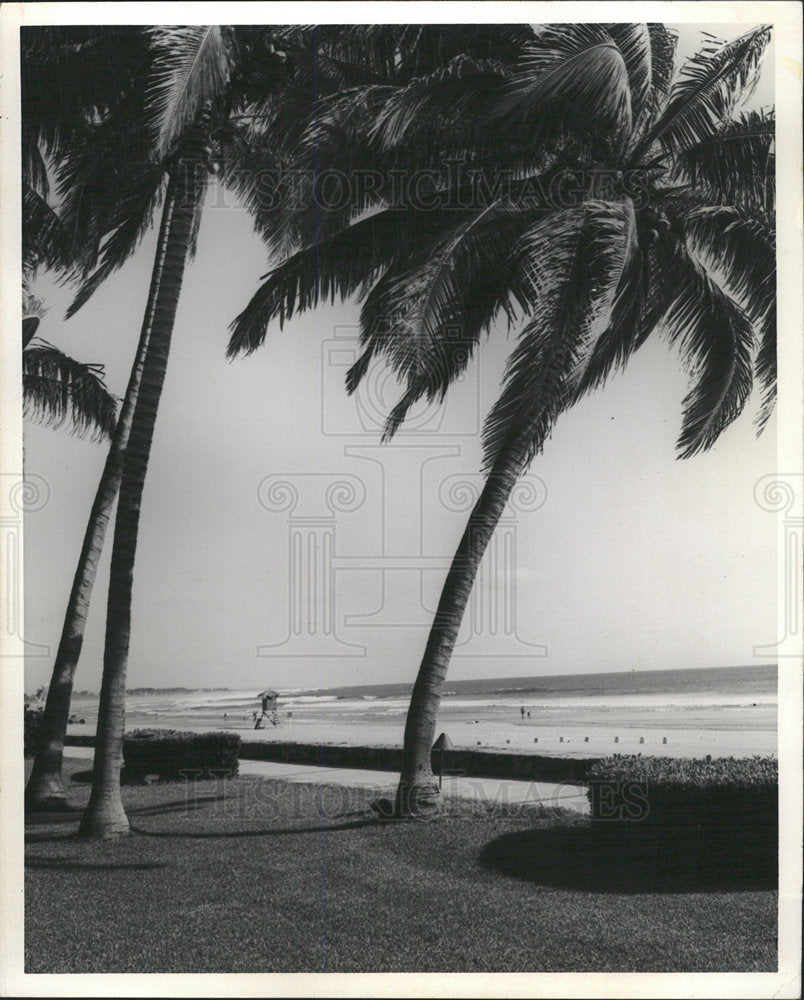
500	790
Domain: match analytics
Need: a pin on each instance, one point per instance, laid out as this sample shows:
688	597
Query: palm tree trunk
45	789
418	793
104	815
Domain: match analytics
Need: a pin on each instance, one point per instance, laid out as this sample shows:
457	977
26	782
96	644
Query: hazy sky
634	560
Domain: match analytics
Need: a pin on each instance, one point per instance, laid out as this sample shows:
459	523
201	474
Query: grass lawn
257	875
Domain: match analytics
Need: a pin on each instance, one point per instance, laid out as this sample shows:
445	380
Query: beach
691	713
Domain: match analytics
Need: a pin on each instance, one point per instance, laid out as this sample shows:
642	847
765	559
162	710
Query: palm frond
663	44
736	165
398	53
191	68
198	214
59	390
34	168
634	43
45	239
715	337
252	164
638	306
710	84
73	75
573	262
445	294
743	248
442	98
339	266
107	168
765	365
425	320
131	219
570	73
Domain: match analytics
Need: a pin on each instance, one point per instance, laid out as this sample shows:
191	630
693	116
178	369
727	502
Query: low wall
474	763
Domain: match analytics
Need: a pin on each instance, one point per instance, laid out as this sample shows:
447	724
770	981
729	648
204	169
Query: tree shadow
60	863
53	817
271	832
129	779
633	858
192	805
179	805
62	817
49	838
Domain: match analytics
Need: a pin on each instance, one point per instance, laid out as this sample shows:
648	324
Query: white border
786	18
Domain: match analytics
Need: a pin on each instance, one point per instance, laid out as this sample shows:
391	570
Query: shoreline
681	734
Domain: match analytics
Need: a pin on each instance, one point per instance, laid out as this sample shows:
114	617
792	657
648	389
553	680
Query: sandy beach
675	731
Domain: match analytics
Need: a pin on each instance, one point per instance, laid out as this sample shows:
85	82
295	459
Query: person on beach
522	711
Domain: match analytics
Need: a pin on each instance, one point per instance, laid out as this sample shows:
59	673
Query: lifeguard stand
268	701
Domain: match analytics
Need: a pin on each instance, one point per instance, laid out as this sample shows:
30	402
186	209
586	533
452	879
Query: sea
650	696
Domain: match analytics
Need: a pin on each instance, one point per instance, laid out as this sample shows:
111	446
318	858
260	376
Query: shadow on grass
68	865
631	859
73	815
130	780
52	817
196	804
49	838
271	832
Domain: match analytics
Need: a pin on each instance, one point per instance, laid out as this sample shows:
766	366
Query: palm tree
632	202
212	93
119	150
94	71
216	92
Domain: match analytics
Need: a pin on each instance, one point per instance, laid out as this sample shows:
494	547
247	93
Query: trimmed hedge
679	772
474	763
691	816
175	755
708	792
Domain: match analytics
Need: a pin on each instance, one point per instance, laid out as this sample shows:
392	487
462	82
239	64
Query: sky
628	560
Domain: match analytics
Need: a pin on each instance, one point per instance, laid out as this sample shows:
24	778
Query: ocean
718	694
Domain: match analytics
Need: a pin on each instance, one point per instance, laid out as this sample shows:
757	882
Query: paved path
503	790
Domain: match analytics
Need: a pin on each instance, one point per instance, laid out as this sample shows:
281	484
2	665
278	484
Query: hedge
706	792
690	821
679	772
175	755
474	763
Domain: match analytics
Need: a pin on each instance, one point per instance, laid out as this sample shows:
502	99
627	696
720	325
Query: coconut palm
194	90
141	138
211	93
114	145
608	199
94	71
220	107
